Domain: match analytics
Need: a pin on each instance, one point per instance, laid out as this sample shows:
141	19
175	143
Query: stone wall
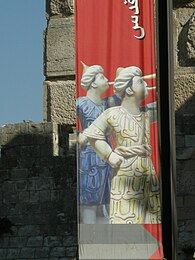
184	45
59	63
37	192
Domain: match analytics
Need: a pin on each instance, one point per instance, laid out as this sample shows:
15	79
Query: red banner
118	160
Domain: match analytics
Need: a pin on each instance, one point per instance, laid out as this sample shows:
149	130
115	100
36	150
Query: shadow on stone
185	126
5	226
38	191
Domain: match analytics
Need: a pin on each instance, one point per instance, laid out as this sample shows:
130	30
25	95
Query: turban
89	76
124	77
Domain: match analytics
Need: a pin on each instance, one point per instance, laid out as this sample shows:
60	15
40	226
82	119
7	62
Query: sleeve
99	128
78	106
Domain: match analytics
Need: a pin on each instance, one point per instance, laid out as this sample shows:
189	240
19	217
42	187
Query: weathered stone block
186	153
59	102
59	7
71	251
36	128
19	174
186	213
185	182
24	196
53	241
31	151
45	196
11	129
190	166
17	242
29	230
42	252
31	184
60	48
190	225
27	253
8	186
190	45
184	37
34	196
58	252
44	184
180	201
3	138
4	242
70	241
41	139
21	185
3	253
180	141
190	140
185	244
189	201
183	3
10	197
35	241
185	121
13	253
46	150
55	195
184	91
4	175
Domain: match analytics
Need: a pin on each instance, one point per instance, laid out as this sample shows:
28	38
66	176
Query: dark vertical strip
167	127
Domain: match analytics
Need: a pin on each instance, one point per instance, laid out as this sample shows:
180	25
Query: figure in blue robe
95	174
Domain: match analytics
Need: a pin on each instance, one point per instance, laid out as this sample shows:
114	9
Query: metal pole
167	127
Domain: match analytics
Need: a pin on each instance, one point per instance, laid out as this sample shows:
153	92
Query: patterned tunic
135	188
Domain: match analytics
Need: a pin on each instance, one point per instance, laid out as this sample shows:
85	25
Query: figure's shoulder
112	111
82	101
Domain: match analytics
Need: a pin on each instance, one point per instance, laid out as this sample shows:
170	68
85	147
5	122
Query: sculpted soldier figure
94	173
135	189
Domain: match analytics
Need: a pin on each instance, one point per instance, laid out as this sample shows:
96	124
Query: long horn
152	76
151	88
85	67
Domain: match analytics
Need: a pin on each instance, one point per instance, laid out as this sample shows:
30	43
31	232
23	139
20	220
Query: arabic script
134	6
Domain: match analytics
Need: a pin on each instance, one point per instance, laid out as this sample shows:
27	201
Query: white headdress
124	78
89	74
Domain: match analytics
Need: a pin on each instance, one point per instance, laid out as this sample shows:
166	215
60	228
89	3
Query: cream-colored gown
135	189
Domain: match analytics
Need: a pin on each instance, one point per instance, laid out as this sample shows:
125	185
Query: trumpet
151	76
151	88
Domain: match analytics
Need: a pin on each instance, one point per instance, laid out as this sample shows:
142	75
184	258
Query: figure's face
140	89
101	83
